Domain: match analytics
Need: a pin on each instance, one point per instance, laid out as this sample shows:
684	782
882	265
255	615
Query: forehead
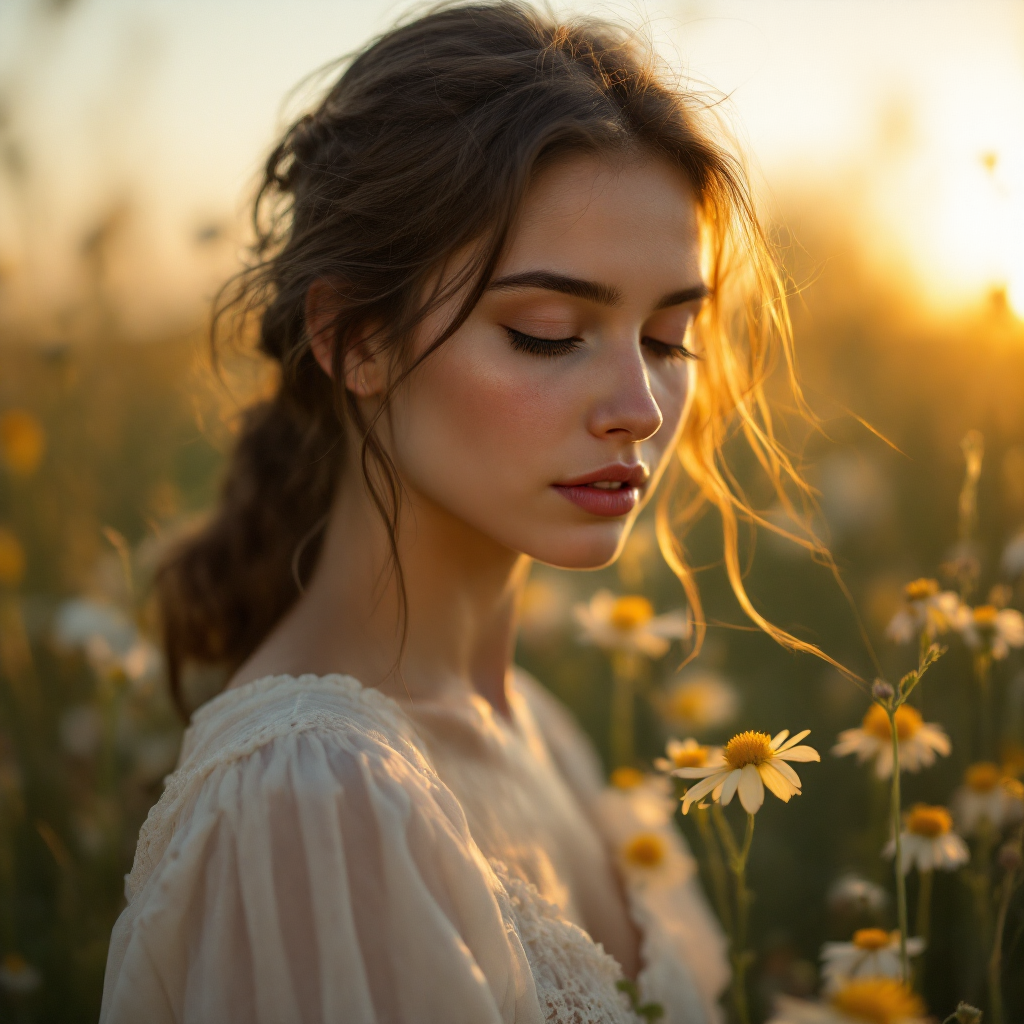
614	219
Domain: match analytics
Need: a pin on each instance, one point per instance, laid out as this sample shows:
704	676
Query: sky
152	117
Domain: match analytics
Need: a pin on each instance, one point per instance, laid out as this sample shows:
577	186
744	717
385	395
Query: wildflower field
850	892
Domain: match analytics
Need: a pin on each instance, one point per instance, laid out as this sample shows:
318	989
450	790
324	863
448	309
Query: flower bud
967	1014
1010	858
882	691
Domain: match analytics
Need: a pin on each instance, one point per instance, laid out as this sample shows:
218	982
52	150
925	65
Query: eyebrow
592	291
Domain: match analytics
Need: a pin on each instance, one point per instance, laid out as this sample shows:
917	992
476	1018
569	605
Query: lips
611	491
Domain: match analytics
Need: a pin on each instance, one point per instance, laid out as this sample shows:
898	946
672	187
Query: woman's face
547	419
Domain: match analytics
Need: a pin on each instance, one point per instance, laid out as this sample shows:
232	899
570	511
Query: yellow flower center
646	850
687	705
878	1000
748	748
983	777
1014	787
690	757
871	938
12	559
921	589
629	613
22	441
928	821
908	722
626	778
985	615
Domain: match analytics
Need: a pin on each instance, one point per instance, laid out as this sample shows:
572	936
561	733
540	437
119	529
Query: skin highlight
484	432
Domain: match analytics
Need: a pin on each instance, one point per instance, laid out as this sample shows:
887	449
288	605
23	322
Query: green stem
995	960
740	956
986	737
622	728
716	868
897	825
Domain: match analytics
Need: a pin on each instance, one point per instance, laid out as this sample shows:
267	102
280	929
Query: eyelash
563	346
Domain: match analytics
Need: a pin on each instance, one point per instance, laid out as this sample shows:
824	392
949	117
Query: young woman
494	271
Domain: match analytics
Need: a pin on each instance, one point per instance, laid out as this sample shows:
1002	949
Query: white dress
326	855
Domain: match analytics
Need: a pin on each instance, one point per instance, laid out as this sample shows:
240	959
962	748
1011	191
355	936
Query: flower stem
924	906
740	955
895	816
716	868
995	960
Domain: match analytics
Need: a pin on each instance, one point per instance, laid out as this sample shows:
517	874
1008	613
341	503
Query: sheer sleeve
321	877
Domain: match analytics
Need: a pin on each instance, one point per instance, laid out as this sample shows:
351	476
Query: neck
462	595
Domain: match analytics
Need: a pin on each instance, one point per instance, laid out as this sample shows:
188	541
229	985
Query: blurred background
886	141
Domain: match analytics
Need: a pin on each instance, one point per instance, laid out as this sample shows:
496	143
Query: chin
580	547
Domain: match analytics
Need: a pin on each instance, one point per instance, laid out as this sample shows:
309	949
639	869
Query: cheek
472	429
673	390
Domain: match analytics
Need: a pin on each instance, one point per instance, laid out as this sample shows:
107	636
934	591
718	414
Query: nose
625	404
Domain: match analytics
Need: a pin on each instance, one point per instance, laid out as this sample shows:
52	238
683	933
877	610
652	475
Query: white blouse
324	854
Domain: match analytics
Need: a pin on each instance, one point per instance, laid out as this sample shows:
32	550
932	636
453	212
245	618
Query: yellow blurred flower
750	761
919	740
687	754
646	851
628	624
22	441
626	778
17	975
928	841
986	795
698	701
872	953
926	609
861	1001
990	628
12	559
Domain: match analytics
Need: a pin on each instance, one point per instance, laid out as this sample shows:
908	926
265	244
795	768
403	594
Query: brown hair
424	146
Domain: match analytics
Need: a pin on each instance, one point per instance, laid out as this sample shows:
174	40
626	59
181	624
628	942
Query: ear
362	368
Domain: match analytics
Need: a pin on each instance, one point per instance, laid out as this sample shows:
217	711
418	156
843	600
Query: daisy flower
851	893
929	842
862	1001
919	740
629	624
697	701
987	794
989	628
18	976
750	761
635	815
872	953
926	609
687	754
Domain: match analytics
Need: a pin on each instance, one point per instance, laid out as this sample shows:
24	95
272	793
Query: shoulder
307	847
283	740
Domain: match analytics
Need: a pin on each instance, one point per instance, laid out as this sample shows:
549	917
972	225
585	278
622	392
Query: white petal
778	738
776	782
798	754
751	789
793	741
786	772
673	625
696	773
650	644
694	793
732	780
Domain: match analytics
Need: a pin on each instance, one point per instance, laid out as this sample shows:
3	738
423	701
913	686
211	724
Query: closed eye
542	346
663	350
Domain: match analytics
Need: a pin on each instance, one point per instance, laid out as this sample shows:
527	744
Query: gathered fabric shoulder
305	863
